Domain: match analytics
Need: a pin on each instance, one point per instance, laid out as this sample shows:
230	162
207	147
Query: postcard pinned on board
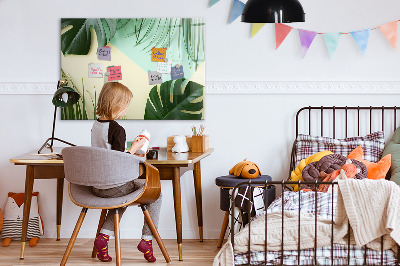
177	72
164	67
104	53
158	54
95	70
155	77
115	73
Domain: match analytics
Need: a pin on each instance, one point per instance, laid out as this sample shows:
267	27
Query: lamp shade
65	96
273	11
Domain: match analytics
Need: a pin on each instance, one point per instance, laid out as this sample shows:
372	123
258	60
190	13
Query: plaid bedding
324	257
322	207
372	145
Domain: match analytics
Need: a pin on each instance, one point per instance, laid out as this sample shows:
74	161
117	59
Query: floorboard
50	252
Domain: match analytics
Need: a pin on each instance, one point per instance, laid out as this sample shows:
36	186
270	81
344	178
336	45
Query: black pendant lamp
273	11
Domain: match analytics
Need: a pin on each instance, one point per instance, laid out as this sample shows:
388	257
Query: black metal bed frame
283	184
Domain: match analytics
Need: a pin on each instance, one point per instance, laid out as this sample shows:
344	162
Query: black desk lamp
64	96
273	11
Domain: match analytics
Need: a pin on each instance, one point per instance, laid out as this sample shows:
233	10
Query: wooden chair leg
101	222
73	237
154	230
223	229
117	238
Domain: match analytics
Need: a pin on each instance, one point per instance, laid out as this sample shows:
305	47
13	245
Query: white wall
259	127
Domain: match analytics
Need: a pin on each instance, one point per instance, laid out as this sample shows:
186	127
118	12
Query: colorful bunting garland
361	37
332	41
256	27
237	9
213	2
306	39
281	31
389	30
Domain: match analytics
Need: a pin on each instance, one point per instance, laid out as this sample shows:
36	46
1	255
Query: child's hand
142	155
137	144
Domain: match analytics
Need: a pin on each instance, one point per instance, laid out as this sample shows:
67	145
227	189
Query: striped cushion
372	145
13	228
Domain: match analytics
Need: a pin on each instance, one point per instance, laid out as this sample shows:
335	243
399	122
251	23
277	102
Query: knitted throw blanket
274	235
373	209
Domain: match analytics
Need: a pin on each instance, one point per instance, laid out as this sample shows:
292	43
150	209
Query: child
113	103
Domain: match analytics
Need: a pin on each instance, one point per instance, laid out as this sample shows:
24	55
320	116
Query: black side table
226	183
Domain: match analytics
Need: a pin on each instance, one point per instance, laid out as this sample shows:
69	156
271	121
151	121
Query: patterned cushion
372	144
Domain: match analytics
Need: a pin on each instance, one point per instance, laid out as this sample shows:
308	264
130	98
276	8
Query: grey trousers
153	208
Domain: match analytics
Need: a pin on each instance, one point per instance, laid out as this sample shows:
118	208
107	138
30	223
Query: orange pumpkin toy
245	169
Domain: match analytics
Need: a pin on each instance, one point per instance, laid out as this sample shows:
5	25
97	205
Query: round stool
228	182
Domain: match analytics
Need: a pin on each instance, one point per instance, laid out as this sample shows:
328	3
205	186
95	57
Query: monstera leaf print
172	103
77	40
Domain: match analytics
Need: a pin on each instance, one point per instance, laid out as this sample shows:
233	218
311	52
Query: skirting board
250	87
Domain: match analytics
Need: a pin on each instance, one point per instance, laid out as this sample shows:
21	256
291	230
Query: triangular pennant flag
281	31
332	41
390	32
213	2
237	9
256	28
306	39
361	37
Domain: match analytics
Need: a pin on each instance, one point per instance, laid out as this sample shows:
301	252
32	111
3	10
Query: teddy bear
13	215
245	169
180	144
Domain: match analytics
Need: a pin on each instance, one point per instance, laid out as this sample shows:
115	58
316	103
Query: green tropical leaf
159	105
77	40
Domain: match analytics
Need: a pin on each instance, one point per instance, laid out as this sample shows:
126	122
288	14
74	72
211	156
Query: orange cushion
375	170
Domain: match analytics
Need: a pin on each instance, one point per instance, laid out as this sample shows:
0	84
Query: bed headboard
344	121
344	118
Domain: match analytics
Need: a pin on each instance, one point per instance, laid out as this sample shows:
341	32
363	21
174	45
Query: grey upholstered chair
85	167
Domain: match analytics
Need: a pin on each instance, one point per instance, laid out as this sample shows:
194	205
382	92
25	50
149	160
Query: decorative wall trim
251	87
304	87
28	88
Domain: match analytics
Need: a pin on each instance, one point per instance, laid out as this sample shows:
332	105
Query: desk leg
176	182
27	206
60	190
199	204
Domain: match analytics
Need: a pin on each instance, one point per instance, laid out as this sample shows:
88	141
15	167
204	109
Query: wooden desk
40	167
169	165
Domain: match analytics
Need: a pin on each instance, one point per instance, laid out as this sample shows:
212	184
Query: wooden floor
50	252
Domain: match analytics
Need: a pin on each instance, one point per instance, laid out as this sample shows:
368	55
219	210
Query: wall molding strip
251	87
304	87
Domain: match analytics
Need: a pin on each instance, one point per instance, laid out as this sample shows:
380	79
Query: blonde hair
113	98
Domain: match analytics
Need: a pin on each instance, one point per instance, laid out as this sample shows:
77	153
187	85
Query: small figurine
180	144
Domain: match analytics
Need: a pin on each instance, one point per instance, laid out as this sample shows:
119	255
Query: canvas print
161	60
